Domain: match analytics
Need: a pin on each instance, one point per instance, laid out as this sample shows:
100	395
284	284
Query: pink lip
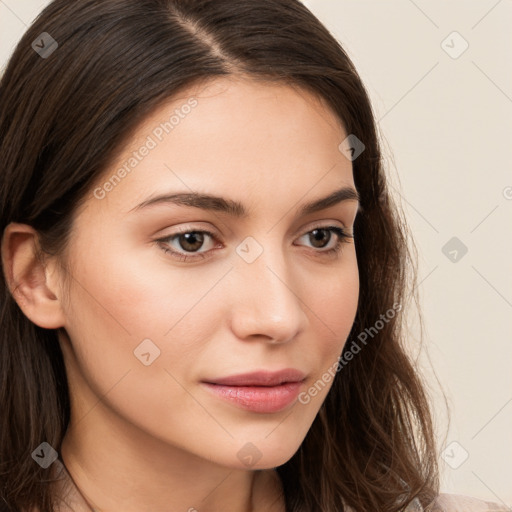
261	391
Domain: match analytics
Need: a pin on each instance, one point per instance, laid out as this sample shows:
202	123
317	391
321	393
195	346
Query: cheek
134	294
333	302
121	305
333	298
125	305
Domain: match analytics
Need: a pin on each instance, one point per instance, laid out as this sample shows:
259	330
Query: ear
32	282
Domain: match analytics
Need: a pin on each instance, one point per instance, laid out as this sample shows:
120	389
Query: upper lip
260	378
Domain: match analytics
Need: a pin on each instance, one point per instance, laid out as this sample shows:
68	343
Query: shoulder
447	502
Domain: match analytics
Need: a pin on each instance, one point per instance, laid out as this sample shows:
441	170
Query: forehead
234	137
241	109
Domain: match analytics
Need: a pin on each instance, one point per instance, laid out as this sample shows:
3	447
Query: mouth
260	391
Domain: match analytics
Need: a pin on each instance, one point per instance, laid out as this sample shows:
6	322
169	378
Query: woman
204	272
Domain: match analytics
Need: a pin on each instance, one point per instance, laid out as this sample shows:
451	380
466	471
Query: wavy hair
63	119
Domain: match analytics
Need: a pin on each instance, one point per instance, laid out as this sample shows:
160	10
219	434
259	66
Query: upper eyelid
316	225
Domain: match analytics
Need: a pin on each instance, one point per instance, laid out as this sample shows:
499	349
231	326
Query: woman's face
261	290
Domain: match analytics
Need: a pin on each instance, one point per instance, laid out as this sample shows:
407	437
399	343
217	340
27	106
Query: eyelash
343	237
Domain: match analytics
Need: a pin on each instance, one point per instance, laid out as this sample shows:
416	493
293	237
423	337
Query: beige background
446	120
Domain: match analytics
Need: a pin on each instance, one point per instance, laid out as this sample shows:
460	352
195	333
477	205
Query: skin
151	437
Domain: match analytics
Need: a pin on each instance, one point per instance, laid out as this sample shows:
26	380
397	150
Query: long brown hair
63	117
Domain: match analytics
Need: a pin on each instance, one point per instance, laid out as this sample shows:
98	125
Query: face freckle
148	329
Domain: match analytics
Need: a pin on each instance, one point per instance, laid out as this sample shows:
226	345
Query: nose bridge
266	302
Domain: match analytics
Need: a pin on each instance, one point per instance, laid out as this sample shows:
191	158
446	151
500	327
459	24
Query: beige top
72	500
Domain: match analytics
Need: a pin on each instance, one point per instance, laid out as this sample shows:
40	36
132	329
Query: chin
262	453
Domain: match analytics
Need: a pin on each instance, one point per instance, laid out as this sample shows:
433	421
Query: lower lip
258	398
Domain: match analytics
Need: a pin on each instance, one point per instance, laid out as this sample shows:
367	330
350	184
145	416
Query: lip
259	391
260	378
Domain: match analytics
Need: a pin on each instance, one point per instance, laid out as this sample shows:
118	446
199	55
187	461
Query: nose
266	301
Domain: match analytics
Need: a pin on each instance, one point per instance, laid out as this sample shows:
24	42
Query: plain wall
446	120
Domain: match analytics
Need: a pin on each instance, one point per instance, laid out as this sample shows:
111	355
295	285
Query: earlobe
27	277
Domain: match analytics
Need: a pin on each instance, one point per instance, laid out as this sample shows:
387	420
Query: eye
321	236
189	241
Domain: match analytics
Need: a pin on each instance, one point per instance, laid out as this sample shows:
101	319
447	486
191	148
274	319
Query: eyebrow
237	209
